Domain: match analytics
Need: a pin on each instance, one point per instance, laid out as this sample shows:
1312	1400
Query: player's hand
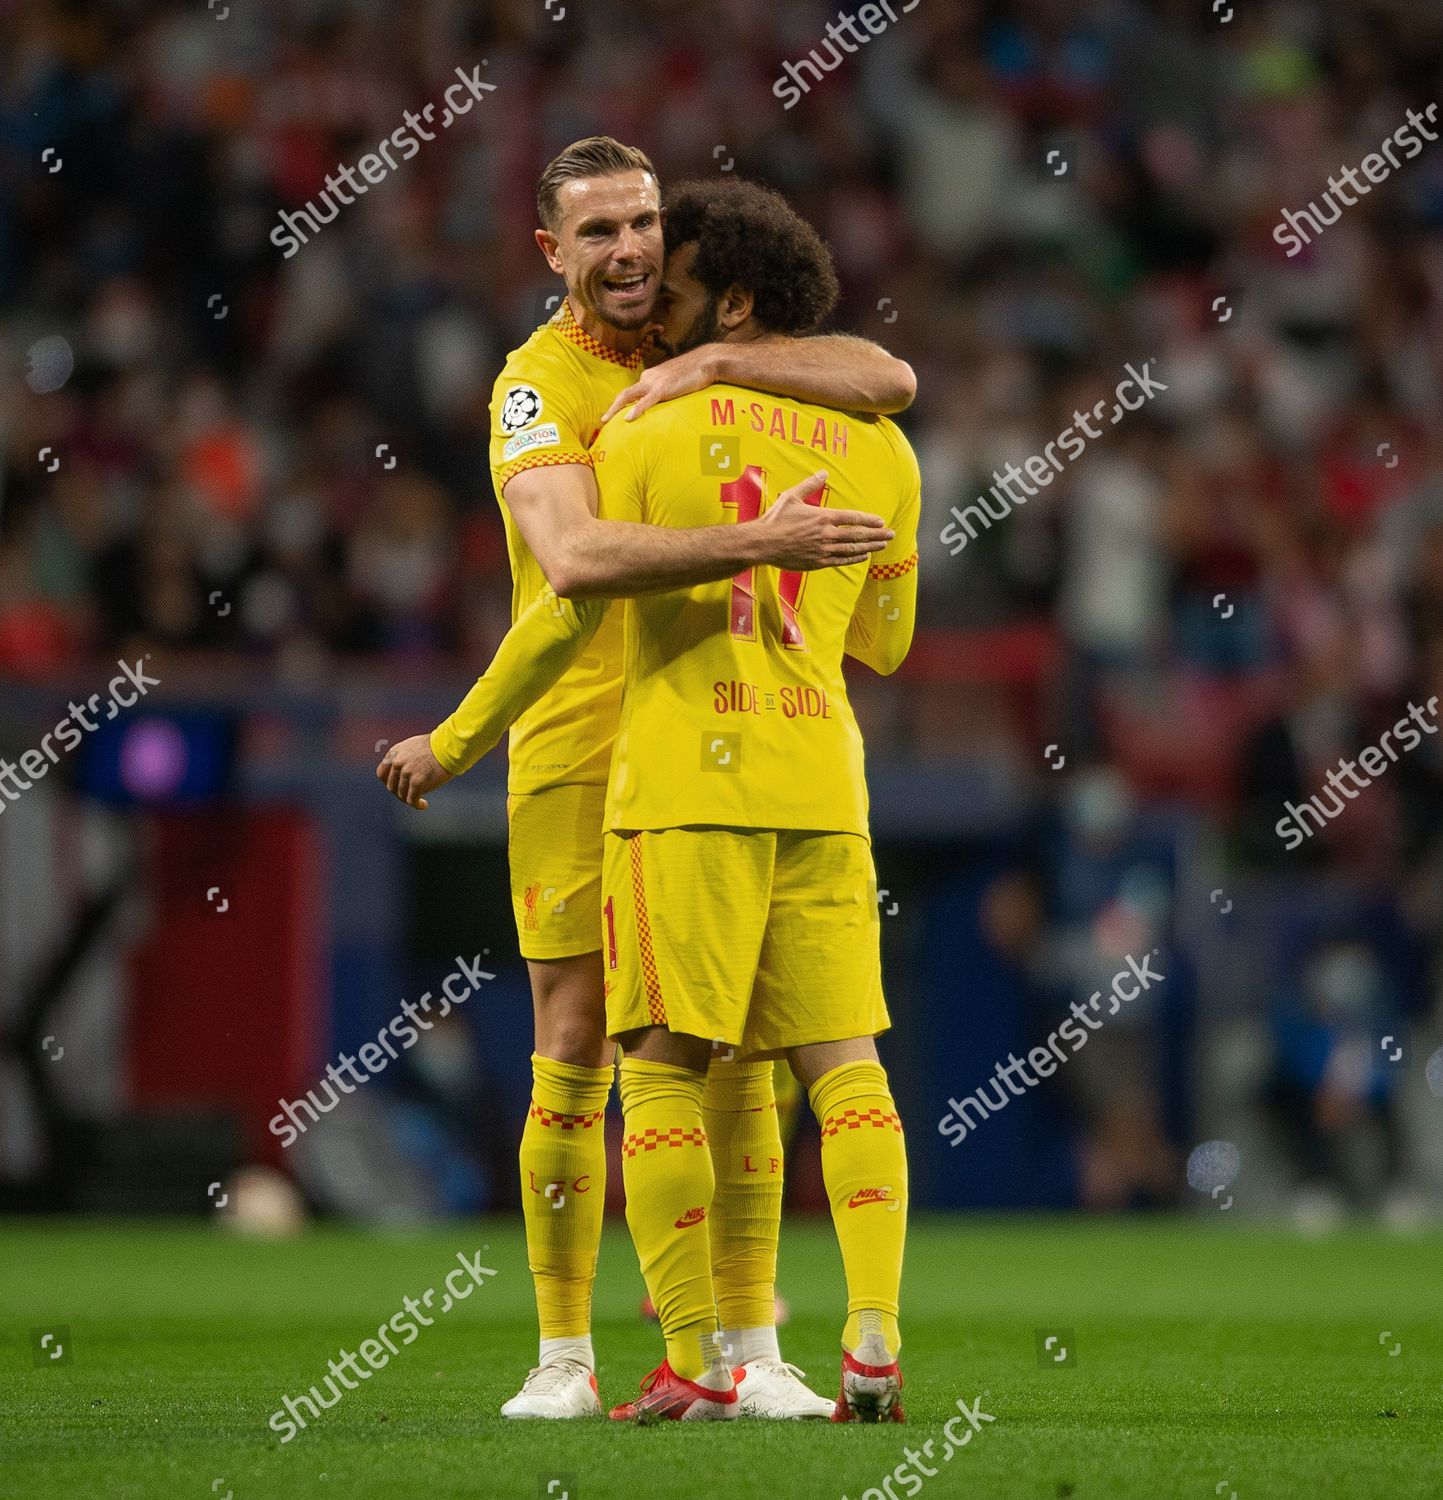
801	537
678	376
409	770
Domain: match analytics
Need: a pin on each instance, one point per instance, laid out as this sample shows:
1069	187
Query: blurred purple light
153	759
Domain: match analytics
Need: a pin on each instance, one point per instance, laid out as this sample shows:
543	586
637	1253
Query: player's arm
584	557
833	369
545	640
880	630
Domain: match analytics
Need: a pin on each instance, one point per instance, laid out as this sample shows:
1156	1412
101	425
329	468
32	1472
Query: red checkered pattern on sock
652	1136
550	1117
854	1119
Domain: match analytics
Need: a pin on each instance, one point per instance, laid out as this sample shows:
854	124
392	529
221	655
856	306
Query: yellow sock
746	1153
864	1165
669	1184
563	1190
789	1098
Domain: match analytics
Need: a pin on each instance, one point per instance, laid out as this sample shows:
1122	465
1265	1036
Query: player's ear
734	307
550	245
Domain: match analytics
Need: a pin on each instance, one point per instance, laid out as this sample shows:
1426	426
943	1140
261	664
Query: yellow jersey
546	408
735	710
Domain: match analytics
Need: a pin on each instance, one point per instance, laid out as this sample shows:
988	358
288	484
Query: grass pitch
1203	1361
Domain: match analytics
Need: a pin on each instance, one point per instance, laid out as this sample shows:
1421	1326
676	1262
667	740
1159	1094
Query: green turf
1204	1354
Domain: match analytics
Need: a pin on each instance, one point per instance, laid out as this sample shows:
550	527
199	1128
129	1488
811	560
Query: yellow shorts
554	849
758	939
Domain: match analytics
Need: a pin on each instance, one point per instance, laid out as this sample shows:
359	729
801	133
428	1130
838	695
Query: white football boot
557	1390
773	1389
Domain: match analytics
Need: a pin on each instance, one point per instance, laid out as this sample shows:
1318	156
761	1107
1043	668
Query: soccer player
601	229
739	892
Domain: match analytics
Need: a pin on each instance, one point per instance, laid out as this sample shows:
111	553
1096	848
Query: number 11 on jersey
744	496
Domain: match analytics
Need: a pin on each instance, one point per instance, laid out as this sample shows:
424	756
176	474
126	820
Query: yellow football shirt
546	408
735	709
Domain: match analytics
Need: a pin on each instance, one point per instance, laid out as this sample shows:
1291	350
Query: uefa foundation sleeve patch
546	436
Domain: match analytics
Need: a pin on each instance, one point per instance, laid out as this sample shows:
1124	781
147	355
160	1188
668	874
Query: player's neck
619	341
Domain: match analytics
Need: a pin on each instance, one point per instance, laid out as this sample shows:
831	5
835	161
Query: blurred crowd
285	459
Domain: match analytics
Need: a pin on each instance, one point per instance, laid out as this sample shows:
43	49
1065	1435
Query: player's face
610	246
686	310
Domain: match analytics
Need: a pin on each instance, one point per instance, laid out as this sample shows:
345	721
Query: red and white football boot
871	1384
668	1397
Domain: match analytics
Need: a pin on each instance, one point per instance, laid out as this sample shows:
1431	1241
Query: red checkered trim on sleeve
854	1119
653	1138
893	570
507	472
549	1117
655	1005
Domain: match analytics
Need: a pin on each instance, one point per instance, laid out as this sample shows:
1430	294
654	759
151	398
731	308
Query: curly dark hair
747	235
